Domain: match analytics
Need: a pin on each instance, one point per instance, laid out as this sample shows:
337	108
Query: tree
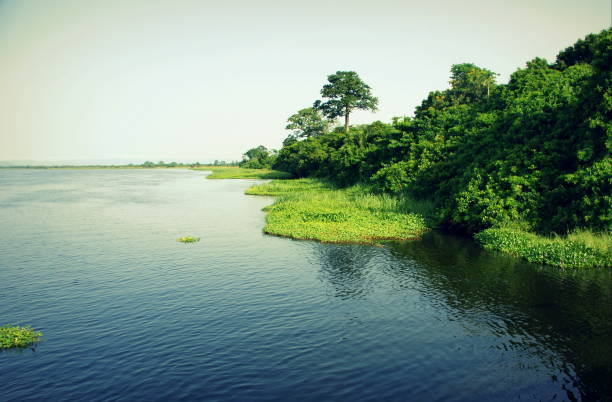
259	152
307	123
258	158
470	83
346	92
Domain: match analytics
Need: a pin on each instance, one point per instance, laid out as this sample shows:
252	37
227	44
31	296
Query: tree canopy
470	83
345	92
307	123
258	158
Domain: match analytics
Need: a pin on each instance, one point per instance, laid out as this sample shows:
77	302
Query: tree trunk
346	120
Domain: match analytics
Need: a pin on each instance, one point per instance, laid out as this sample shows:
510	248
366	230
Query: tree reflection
346	268
560	316
538	309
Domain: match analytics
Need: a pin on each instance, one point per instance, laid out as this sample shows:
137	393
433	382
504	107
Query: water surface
90	258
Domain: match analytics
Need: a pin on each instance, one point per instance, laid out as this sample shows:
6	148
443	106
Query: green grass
289	187
313	209
232	172
188	239
17	337
577	250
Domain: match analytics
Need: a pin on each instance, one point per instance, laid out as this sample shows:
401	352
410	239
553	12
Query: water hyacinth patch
242	173
17	337
188	239
572	251
312	209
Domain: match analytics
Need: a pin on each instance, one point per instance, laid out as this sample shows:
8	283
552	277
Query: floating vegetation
312	209
188	239
241	173
577	250
17	337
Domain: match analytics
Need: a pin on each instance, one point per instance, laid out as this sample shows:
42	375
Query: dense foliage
258	158
533	153
308	122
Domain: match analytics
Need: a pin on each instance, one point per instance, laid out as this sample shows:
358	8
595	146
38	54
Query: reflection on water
90	258
345	268
560	316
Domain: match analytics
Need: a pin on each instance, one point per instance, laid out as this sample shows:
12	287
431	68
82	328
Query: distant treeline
532	154
147	164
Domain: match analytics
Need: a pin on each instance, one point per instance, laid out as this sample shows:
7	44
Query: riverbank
311	209
315	209
577	250
234	172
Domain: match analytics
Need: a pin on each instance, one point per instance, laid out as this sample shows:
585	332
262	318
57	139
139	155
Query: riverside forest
524	167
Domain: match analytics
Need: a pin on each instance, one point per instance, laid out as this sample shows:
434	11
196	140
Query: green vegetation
317	210
578	250
307	123
241	173
535	150
17	337
345	92
188	239
291	187
258	158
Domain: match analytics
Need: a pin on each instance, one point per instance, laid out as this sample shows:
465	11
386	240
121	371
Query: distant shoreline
109	167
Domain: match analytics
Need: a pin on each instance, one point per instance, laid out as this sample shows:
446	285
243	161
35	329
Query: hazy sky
200	80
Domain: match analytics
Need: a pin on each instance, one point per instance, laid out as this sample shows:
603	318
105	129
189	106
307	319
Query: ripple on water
130	314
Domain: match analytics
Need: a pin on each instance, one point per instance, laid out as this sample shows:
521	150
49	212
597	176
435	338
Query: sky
187	80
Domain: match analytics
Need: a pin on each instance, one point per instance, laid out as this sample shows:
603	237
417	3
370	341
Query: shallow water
90	258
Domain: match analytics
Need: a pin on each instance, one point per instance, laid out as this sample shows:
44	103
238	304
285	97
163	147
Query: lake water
90	258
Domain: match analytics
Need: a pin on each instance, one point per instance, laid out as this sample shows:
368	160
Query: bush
392	178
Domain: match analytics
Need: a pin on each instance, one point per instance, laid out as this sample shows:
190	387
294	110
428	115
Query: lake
90	258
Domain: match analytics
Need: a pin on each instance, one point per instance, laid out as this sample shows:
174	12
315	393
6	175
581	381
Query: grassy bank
234	172
17	337
316	210
577	250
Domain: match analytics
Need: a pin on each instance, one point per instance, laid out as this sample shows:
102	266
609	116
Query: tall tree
307	123
346	92
470	83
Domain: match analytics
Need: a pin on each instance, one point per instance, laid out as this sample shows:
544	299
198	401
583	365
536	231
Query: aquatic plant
577	250
188	239
17	337
317	210
288	187
232	172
